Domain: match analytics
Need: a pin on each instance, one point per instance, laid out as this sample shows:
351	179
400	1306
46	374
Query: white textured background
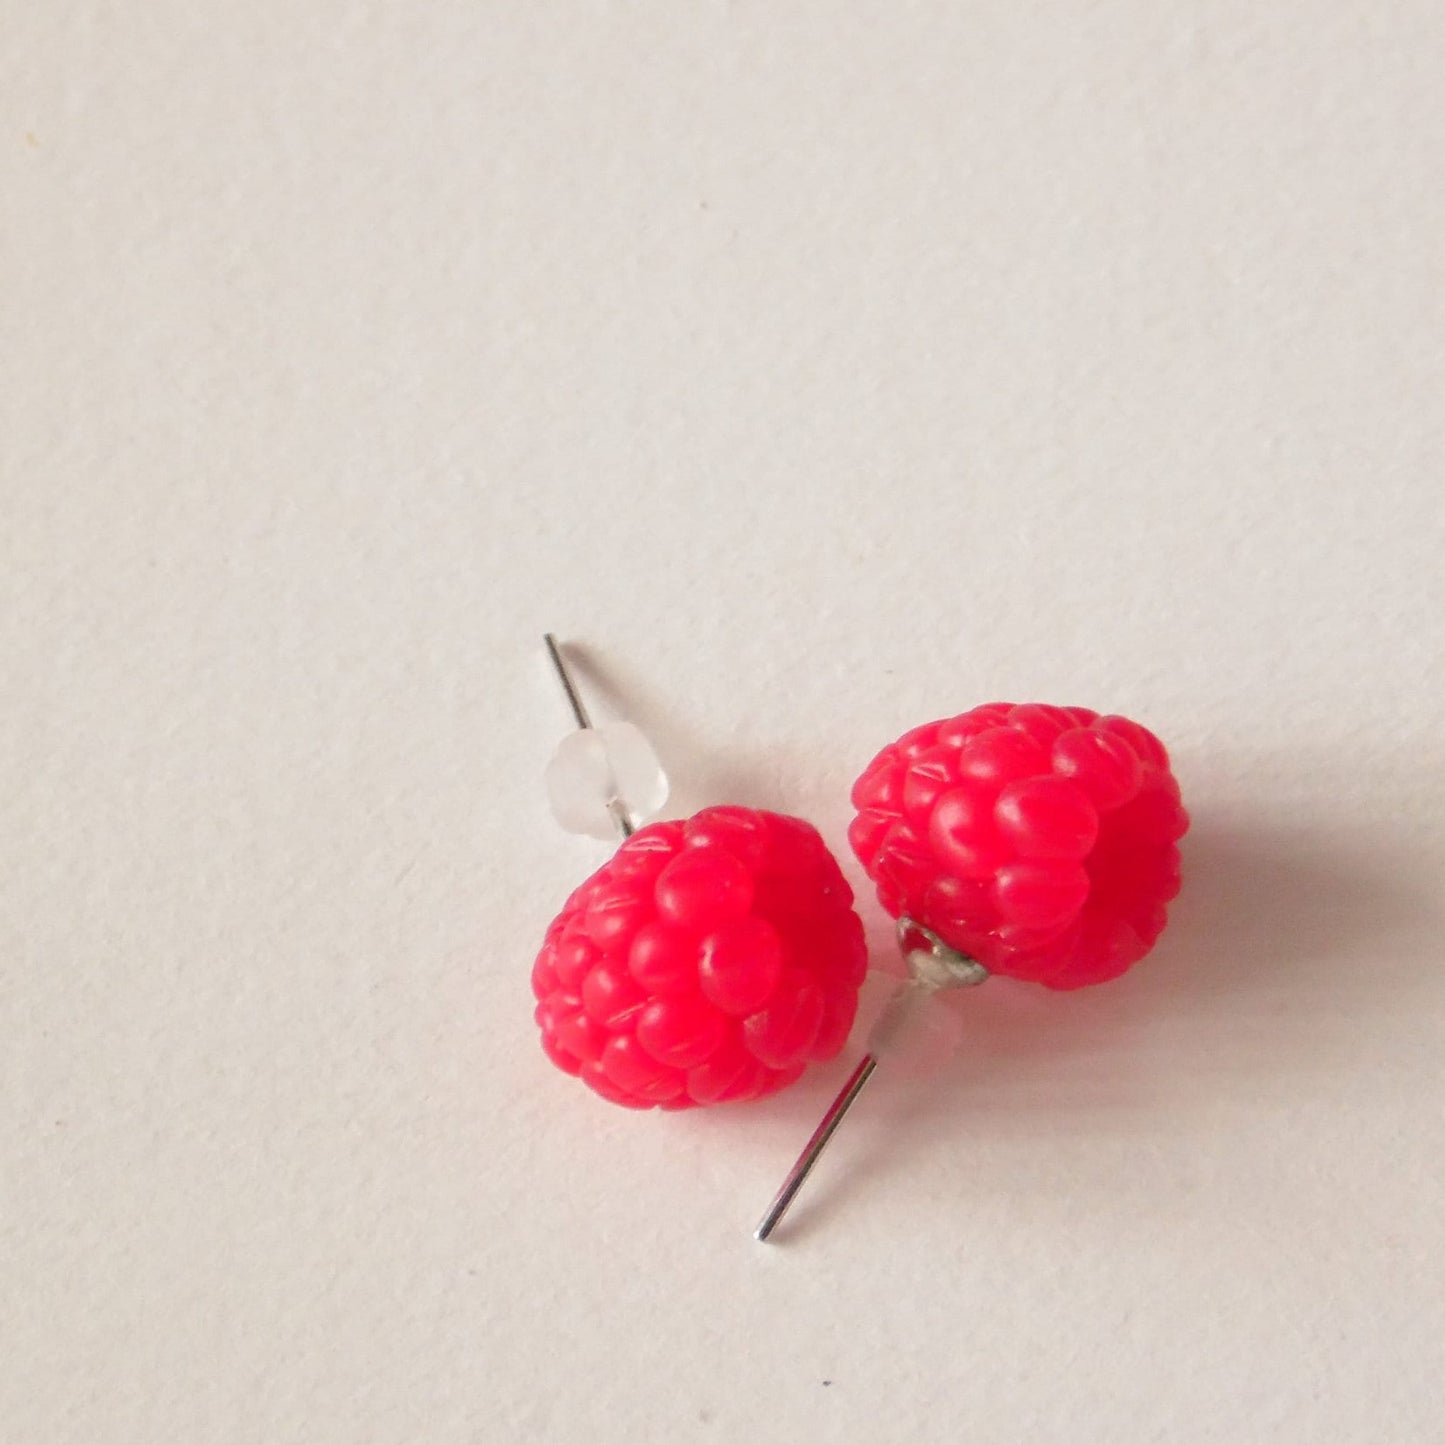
820	368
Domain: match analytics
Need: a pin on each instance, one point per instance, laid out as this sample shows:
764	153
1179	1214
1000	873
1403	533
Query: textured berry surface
1039	840
708	961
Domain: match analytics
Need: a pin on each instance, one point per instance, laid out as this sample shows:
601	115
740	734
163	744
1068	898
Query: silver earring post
615	806
933	966
815	1146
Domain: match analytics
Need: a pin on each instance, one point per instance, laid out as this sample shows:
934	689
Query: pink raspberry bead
1039	840
707	961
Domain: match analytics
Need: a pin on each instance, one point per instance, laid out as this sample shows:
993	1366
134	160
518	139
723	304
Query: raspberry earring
1032	842
710	960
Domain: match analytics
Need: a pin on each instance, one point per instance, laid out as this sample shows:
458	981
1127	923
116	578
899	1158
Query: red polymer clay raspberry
709	960
1039	840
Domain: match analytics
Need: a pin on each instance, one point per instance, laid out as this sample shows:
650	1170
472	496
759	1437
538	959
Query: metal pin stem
574	698
933	965
615	806
814	1147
